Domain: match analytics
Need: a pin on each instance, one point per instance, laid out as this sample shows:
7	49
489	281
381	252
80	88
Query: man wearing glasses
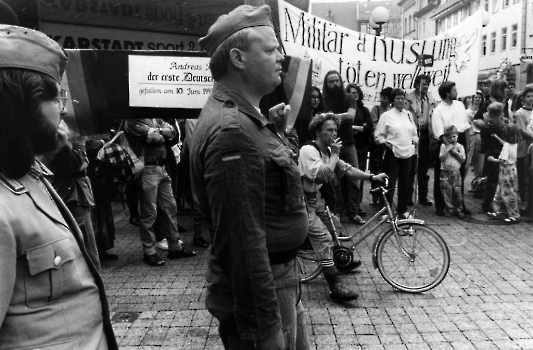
51	294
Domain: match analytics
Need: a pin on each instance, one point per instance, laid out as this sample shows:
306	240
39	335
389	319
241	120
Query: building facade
503	38
356	16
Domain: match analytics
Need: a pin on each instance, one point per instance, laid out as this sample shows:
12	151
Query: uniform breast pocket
290	178
51	272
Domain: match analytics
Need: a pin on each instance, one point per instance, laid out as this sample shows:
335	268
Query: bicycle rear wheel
308	263
423	267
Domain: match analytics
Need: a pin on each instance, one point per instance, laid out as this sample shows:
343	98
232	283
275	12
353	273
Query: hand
380	178
63	133
281	116
336	146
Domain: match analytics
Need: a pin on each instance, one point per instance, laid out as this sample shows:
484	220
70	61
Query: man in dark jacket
247	188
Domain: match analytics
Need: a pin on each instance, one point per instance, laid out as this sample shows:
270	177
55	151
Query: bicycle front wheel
416	260
309	264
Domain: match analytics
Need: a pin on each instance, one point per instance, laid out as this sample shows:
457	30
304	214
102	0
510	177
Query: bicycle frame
380	215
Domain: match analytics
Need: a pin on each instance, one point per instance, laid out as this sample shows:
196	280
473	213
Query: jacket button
57	261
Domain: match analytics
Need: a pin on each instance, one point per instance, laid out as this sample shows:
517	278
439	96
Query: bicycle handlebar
384	187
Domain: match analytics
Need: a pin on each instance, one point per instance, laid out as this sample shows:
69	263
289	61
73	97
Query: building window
405	25
486	4
506	3
504	39
492	42
494	6
484	45
514	35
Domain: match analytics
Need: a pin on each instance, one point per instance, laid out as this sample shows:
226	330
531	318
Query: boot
338	292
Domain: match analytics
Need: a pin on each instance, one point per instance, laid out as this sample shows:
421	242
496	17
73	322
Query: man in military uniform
247	188
51	295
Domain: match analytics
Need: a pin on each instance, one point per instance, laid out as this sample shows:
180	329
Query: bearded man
51	295
343	104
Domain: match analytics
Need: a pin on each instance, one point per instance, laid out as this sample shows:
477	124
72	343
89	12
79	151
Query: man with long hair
51	294
343	104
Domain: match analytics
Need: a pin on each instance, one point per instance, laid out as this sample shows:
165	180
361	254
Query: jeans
450	187
318	233
220	304
398	170
156	193
349	193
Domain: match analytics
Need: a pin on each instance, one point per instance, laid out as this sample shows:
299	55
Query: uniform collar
223	93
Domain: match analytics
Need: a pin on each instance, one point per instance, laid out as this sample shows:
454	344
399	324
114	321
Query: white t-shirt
445	115
509	152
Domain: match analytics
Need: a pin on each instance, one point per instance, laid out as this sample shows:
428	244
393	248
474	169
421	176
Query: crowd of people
259	184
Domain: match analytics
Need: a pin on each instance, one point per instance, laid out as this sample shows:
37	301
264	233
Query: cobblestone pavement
485	302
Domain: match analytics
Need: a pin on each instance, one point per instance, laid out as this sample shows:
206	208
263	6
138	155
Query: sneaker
447	214
180	254
154	260
460	215
406	215
162	244
356	219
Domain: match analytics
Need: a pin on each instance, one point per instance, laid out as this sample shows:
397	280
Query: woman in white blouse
396	131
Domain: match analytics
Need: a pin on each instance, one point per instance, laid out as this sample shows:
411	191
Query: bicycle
410	256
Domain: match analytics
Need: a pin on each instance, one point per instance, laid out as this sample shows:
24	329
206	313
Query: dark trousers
437	195
361	159
420	168
398	170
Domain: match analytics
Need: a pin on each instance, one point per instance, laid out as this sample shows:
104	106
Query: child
506	199
451	156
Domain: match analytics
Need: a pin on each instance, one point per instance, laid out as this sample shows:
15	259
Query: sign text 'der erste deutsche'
169	82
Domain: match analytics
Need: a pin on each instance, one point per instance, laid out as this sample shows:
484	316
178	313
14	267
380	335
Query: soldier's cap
29	49
244	16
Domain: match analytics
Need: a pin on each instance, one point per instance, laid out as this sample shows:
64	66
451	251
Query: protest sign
376	62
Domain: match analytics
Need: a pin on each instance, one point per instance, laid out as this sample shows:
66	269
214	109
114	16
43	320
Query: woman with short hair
396	131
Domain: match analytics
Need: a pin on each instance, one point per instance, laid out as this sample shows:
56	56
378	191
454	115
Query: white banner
169	82
374	62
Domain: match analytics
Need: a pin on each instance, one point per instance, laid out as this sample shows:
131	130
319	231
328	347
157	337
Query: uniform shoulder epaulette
12	185
230	115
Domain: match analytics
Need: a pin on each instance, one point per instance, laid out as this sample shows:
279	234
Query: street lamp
379	16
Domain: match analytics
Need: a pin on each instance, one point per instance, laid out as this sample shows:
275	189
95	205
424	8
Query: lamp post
379	16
